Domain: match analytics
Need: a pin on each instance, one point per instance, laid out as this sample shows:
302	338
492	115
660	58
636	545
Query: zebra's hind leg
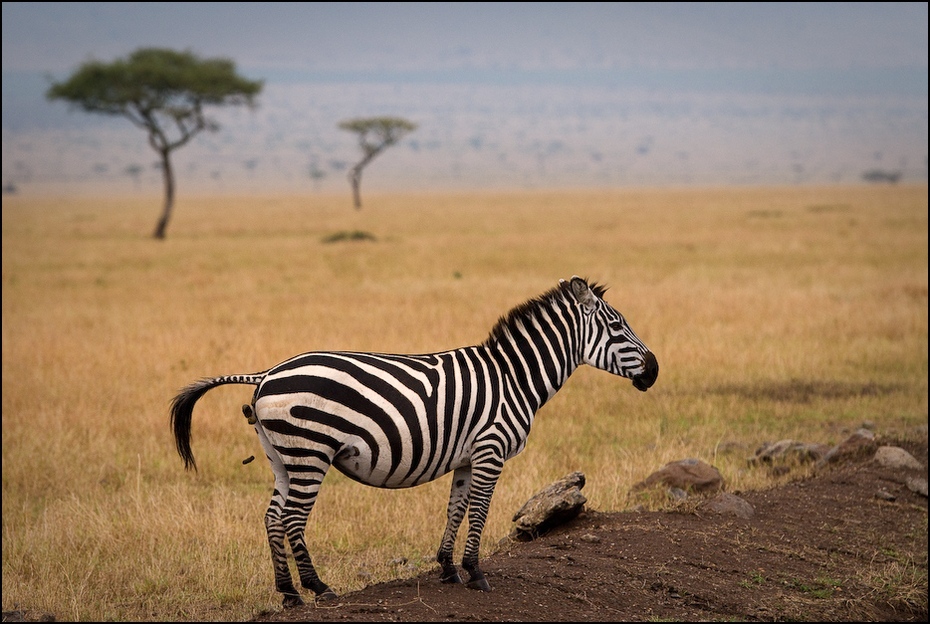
274	526
287	517
458	503
282	573
300	500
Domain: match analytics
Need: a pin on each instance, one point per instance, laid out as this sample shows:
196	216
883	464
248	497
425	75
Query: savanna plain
774	313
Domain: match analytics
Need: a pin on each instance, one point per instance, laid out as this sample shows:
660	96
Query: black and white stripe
396	421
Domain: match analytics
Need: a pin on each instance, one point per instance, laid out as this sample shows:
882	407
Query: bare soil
847	544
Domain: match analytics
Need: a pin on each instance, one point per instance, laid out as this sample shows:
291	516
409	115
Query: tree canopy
375	134
162	91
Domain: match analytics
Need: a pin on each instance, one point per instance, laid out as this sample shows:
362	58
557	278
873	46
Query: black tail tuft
182	409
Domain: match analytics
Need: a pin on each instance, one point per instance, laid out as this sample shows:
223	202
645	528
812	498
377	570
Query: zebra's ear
583	293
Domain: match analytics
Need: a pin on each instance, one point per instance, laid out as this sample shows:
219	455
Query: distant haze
505	95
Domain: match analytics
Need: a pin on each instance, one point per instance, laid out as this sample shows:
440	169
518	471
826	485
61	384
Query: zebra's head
608	342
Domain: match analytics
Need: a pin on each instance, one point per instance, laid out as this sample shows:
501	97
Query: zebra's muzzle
648	377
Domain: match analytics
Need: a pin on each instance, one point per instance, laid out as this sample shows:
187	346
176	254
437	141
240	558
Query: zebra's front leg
486	469
458	503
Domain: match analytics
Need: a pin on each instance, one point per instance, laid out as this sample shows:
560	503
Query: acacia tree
163	92
375	134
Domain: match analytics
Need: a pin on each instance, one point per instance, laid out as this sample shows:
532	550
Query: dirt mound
847	544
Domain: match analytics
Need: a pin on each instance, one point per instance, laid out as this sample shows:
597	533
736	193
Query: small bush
355	235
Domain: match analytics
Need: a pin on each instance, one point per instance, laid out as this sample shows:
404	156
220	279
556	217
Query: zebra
396	421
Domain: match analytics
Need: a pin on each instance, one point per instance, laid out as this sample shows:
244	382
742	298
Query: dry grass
774	313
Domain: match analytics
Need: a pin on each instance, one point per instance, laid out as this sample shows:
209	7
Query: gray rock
789	450
690	475
727	504
885	495
918	485
859	444
896	457
553	505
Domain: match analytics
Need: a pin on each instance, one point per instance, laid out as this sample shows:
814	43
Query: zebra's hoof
328	594
451	578
481	584
292	600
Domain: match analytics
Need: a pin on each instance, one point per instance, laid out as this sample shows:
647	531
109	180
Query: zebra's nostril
648	377
652	367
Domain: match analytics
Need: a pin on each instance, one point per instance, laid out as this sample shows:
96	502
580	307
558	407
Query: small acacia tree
163	92
375	134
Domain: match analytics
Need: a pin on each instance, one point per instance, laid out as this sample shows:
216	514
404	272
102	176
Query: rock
896	457
787	450
917	485
860	443
727	504
885	495
553	505
690	475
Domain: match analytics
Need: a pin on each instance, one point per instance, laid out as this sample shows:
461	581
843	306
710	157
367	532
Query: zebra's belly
355	461
378	447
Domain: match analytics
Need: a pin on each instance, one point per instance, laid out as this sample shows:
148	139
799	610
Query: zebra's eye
616	325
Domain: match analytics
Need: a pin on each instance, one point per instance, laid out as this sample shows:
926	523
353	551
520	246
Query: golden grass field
774	313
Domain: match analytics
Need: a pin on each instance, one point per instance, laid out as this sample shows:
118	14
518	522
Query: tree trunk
355	174
355	179
168	176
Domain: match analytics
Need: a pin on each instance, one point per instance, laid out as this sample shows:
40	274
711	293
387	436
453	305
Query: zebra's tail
182	409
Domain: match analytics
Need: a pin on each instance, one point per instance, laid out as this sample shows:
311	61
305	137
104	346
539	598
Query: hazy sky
793	74
56	36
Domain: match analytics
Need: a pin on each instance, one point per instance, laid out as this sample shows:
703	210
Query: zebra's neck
538	345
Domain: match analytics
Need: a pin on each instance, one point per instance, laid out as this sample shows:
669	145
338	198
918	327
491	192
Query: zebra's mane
530	308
